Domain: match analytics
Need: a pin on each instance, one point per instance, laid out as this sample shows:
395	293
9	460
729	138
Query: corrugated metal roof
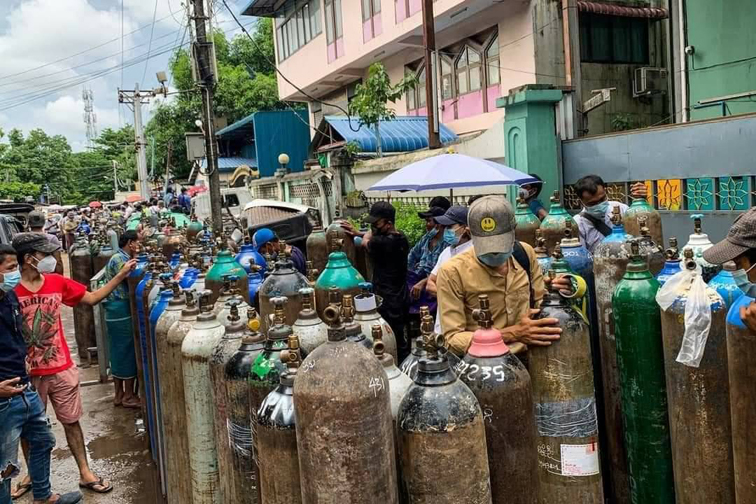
622	10
402	134
240	124
229	164
261	8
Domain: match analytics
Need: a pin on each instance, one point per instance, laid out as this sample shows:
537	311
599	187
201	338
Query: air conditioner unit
649	81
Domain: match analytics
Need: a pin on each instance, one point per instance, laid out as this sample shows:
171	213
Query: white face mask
46	265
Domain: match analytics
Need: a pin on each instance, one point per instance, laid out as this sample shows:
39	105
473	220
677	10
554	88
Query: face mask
451	237
598	210
494	259
10	280
376	230
47	265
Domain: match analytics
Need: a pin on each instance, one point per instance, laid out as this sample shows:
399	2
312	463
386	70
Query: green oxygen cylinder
527	223
553	226
640	361
641	208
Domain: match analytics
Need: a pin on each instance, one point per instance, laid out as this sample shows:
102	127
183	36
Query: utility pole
137	98
429	42
203	50
115	178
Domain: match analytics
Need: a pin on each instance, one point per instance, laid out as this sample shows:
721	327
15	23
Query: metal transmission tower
90	118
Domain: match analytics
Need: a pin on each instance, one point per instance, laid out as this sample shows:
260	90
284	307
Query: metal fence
101	330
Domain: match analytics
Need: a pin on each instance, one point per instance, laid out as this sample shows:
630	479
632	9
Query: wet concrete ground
116	442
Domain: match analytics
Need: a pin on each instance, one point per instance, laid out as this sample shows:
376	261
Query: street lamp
283	160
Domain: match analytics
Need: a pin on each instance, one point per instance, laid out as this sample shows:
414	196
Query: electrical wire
152	32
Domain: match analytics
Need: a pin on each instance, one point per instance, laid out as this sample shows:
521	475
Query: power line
152	32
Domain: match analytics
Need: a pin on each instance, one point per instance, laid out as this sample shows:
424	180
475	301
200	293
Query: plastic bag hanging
697	312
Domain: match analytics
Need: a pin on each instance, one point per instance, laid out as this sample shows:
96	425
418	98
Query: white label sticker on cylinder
580	460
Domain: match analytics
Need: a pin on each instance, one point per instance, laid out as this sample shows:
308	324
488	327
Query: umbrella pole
451	196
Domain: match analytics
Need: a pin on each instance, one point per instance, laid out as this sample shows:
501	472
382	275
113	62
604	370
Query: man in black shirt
388	249
22	413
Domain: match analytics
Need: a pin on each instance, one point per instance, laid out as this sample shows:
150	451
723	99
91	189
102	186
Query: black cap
440	201
36	219
381	210
25	243
433	212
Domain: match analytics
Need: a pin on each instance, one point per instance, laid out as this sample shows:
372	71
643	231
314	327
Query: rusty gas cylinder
196	351
335	232
409	364
741	350
233	295
285	281
651	250
565	405
610	259
640	208
237	372
441	431
553	225
699	400
502	386
527	223
312	332
343	416
317	248
221	354
352	328
81	269
277	437
169	366
398	384
542	256
267	369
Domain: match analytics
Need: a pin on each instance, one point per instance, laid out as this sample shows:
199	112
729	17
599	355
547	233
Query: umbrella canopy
196	190
54	208
95	204
449	171
131	198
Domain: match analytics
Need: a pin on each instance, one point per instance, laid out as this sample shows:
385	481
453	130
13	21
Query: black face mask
376	230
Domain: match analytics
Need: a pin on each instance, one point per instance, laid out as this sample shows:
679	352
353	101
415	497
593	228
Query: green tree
370	102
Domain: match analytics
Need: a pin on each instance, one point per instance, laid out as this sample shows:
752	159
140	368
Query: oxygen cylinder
249	257
552	227
741	350
338	273
342	408
502	386
366	306
641	208
409	364
177	482
286	281
565	405
441	431
640	361
542	256
277	437
726	285
649	249
336	232
527	223
312	332
398	384
699	242
267	368
317	248
133	280
223	265
241	306
671	263
196	351
82	270
239	422
609	261
220	356
193	229
104	254
146	285
254	282
699	398
352	329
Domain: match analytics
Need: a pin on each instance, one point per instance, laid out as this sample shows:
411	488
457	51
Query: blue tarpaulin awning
229	164
401	134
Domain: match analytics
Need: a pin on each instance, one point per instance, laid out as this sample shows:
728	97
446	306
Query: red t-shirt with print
43	328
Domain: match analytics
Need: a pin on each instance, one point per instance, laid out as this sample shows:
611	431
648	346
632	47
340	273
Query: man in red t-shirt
55	376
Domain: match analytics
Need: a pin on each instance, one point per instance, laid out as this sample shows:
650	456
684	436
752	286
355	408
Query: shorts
64	392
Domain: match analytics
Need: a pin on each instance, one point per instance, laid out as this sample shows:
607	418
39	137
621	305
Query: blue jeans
23	416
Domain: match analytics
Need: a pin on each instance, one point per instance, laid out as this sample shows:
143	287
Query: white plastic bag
697	313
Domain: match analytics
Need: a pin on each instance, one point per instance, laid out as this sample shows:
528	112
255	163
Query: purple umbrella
448	171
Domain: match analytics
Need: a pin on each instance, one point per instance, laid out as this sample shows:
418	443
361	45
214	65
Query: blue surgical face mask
451	237
598	210
494	259
10	280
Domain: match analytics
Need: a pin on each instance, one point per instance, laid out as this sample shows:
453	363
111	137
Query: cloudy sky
52	49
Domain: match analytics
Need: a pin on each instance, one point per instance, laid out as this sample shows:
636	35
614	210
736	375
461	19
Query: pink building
325	47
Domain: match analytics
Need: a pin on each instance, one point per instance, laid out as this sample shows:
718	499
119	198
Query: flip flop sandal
70	498
23	488
99	483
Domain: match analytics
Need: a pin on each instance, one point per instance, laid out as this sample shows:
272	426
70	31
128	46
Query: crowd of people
467	250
